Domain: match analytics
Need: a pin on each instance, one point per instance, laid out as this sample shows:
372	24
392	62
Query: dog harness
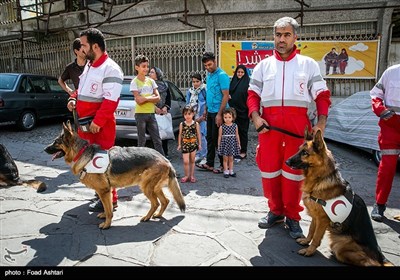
99	163
338	208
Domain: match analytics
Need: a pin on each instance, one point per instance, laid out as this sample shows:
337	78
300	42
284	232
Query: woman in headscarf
164	105
238	92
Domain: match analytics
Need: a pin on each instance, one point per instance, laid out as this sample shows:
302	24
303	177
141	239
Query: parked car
125	113
27	98
352	122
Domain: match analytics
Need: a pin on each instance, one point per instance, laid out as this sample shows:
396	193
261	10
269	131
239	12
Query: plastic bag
165	126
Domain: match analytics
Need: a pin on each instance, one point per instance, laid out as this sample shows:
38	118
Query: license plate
121	113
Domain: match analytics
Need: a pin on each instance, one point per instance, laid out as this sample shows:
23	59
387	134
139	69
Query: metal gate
178	54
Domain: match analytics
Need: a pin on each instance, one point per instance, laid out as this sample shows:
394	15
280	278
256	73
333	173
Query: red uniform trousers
281	184
105	139
389	143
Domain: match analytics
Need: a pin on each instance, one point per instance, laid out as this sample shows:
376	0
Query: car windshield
7	81
126	94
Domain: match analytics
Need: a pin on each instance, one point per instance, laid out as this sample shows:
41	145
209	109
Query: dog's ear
318	140
67	128
307	134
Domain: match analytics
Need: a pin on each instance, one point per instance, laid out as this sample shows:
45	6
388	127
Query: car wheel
27	121
377	156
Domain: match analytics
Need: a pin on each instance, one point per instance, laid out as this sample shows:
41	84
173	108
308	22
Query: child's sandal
184	179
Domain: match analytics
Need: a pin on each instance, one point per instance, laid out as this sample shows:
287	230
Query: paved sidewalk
219	228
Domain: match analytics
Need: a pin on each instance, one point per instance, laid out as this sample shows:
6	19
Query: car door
36	97
58	97
178	101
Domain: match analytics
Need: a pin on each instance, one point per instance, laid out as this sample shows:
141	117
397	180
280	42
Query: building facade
36	36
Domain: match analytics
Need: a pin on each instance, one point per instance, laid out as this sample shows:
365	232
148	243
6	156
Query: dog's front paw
104	225
303	241
145	219
157	216
307	252
101	215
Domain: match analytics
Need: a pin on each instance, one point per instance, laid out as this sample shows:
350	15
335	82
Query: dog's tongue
55	156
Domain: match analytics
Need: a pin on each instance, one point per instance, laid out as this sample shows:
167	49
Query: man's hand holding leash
260	124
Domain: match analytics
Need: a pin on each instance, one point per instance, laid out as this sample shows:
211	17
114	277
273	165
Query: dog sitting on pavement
118	167
9	175
334	207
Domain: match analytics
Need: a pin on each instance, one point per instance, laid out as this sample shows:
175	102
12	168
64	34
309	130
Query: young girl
189	139
196	97
228	141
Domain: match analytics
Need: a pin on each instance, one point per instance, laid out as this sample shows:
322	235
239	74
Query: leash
280	130
75	114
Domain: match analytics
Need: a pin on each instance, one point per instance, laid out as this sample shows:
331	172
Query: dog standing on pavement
9	175
334	207
118	167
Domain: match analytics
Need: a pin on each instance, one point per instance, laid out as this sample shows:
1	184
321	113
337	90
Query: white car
125	112
353	122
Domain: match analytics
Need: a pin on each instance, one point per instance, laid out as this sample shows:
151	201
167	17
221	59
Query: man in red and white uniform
385	97
284	85
98	95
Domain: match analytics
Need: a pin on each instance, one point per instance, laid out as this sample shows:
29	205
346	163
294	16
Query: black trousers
212	139
243	123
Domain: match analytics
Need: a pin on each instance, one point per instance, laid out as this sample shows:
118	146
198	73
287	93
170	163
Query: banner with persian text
337	59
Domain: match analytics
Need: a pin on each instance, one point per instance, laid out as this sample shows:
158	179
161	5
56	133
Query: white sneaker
203	161
197	159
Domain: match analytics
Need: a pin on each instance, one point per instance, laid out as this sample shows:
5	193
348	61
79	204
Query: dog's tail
174	188
39	186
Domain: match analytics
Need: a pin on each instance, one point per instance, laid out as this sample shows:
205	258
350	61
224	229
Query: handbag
165	126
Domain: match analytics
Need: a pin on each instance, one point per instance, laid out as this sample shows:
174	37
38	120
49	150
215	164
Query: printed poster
336	59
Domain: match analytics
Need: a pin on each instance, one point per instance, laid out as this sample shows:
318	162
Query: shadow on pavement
77	237
279	249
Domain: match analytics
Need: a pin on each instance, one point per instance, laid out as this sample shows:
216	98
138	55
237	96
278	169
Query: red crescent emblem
336	203
94	162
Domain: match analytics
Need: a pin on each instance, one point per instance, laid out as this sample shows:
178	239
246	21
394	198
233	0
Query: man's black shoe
377	212
270	220
295	230
97	206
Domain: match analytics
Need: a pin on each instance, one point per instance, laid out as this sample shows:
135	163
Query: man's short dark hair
94	36
208	56
76	45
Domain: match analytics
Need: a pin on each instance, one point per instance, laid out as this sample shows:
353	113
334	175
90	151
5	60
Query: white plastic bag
165	126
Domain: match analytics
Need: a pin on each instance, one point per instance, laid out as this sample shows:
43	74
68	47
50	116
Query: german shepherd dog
352	238
128	166
9	175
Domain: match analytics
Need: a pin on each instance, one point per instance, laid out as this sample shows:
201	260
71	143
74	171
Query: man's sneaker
377	212
295	230
270	220
97	206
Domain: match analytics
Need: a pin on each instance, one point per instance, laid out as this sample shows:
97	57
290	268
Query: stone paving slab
219	228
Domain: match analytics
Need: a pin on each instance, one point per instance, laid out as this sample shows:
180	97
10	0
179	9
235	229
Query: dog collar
80	152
